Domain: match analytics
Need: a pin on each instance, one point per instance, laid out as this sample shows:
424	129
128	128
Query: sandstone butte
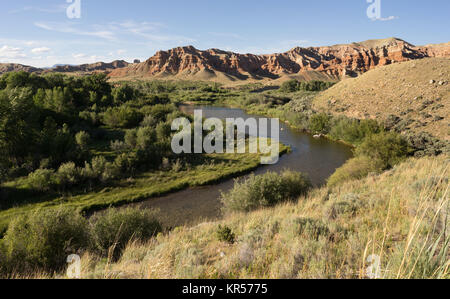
332	62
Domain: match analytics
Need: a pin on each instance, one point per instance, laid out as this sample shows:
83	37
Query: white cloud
149	31
11	52
55	9
67	28
386	19
40	50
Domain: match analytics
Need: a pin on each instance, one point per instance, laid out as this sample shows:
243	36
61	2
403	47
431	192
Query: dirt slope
414	95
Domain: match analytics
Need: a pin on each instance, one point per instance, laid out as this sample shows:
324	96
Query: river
319	158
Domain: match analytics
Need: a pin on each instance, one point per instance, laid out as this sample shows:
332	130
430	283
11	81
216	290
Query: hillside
319	63
82	69
412	96
14	67
328	234
89	68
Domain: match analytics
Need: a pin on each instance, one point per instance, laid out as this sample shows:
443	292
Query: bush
388	148
355	169
112	230
145	137
311	228
41	180
225	234
44	239
319	123
294	85
354	131
68	175
348	204
265	191
122	117
82	138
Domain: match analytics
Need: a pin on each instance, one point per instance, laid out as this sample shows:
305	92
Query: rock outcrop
332	61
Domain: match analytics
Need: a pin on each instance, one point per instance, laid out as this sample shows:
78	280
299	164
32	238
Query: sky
40	33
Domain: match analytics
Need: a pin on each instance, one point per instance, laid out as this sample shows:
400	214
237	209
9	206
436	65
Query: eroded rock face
334	61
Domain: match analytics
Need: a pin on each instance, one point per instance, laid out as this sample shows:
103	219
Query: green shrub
112	230
354	131
42	179
354	169
43	239
131	138
389	148
145	137
265	191
68	175
122	117
311	228
294	85
320	123
225	234
346	205
82	138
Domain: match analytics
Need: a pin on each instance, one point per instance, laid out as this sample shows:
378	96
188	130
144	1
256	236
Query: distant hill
65	68
14	67
413	95
89	68
319	63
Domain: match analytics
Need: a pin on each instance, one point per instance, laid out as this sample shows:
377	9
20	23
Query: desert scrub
355	169
225	234
265	191
389	148
112	230
43	239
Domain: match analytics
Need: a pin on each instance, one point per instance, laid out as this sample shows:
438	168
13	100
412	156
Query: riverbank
218	167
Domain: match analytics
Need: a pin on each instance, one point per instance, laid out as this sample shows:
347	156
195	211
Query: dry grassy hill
413	95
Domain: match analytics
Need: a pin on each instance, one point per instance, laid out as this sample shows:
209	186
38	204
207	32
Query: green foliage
44	239
388	148
348	205
225	234
265	191
68	175
355	169
82	138
122	117
354	131
145	137
112	230
42	180
123	94
320	123
312	228
294	85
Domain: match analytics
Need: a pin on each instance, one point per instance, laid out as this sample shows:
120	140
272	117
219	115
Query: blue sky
39	33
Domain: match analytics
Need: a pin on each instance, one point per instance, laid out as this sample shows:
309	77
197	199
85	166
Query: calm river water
319	158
